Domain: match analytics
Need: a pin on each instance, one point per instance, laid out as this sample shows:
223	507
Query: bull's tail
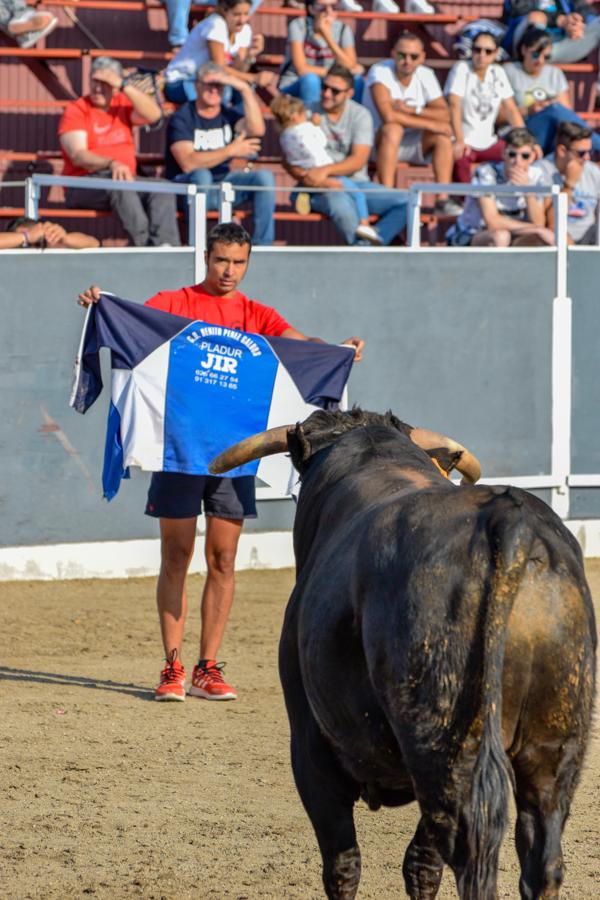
510	540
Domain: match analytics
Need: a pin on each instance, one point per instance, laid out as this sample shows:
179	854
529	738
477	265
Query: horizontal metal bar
9	184
433	187
149	187
591	481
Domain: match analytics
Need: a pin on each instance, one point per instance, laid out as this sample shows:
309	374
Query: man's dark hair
531	37
227	233
568	133
20	222
519	137
409	36
343	72
228	4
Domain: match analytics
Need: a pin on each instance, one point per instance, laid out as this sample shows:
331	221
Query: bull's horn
468	464
266	443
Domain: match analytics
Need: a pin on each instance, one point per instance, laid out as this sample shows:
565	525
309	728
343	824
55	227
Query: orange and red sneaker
172	680
208	682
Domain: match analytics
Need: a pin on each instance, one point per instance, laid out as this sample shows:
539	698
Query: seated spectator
25	232
573	26
503	220
96	140
477	91
304	144
202	138
314	43
570	167
26	25
225	38
348	128
541	90
411	117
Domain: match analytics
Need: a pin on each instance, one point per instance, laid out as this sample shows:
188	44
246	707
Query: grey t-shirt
355	126
581	215
532	88
316	50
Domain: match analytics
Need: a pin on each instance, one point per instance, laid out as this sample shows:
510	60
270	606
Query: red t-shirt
232	312
108	130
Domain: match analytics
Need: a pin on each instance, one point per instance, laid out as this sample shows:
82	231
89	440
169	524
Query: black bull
438	646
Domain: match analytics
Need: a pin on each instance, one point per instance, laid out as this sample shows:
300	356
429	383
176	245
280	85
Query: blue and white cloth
182	391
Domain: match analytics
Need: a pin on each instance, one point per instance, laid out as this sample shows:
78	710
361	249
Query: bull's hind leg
423	866
545	782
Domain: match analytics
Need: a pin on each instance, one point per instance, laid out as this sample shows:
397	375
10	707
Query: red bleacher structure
35	84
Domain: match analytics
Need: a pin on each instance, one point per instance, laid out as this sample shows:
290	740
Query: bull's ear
446	459
299	446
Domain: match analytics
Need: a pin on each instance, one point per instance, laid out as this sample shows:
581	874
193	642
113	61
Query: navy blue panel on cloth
319	378
129	330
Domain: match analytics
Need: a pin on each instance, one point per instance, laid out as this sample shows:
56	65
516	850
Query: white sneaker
387	6
29	38
350	6
366	233
419	7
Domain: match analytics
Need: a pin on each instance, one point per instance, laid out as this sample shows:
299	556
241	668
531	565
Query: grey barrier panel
456	342
584	279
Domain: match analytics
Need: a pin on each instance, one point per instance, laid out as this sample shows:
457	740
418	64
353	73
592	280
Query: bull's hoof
342	875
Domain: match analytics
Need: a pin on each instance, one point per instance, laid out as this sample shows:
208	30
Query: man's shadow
25	675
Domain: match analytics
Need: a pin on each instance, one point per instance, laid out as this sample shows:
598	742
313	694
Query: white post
32	198
561	367
197	230
414	218
226	199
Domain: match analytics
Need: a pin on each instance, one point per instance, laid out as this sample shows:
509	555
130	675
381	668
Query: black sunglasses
412	56
487	50
524	154
334	91
537	54
582	154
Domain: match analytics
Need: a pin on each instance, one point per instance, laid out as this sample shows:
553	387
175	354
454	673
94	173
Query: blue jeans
178	13
341	209
543	124
182	91
263	202
308	88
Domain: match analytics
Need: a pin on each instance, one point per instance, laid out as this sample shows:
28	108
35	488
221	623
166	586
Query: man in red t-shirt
177	499
96	139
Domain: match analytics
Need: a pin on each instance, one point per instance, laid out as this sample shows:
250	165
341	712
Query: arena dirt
109	794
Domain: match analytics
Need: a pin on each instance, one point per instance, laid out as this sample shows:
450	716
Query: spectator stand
36	84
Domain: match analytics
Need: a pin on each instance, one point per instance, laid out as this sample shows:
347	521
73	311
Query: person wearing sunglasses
348	128
541	89
570	167
572	25
205	135
477	91
505	220
411	117
314	43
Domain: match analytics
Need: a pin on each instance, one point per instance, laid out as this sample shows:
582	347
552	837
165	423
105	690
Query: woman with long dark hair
541	89
477	91
314	43
225	38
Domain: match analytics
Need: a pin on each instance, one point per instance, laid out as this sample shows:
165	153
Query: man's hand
358	345
120	172
518	175
35	233
315	177
575	26
110	77
54	234
439	127
243	146
91	295
458	148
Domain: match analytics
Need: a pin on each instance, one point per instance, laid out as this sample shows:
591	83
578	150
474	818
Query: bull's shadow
26	675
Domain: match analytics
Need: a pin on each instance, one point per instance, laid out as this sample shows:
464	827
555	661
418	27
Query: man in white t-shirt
411	116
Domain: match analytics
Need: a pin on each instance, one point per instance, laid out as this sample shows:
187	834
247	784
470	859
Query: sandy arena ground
110	794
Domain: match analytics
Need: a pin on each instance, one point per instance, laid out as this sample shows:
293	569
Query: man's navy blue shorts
173	495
